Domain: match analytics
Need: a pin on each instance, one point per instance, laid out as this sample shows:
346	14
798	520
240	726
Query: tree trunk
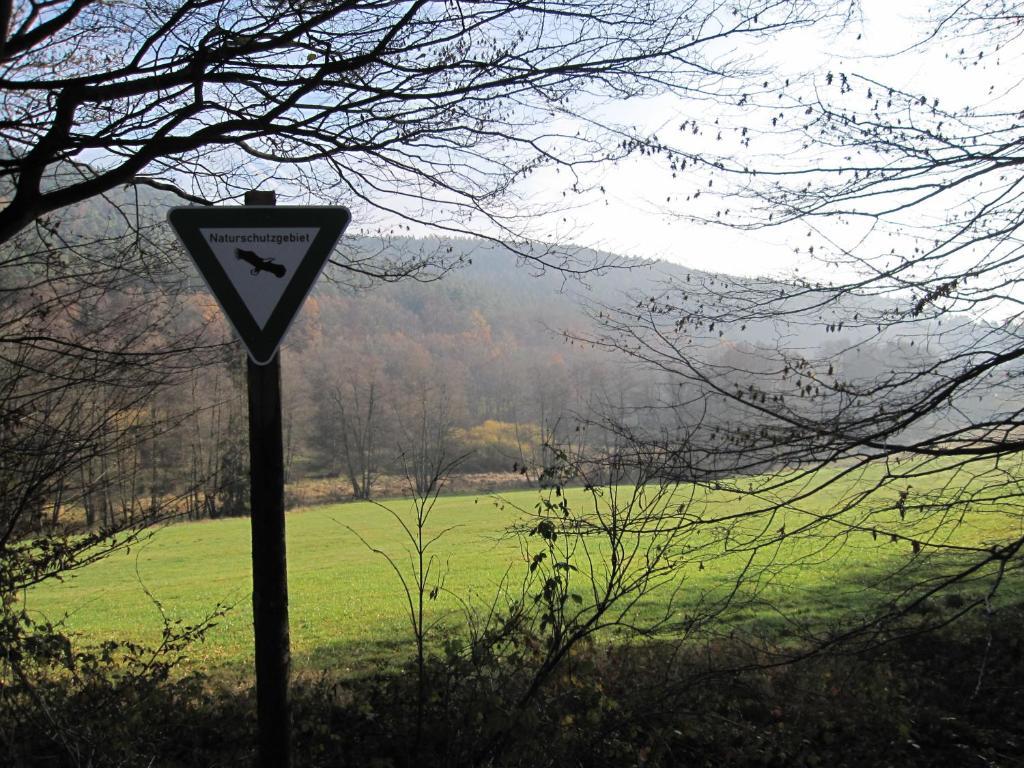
58	500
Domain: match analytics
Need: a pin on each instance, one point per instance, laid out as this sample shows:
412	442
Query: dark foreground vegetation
949	698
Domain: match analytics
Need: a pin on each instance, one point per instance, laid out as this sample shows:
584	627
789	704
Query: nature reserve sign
260	263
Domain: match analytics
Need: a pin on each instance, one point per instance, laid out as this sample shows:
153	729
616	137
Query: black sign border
262	344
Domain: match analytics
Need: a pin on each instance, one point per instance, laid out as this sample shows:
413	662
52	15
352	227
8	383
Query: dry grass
311	492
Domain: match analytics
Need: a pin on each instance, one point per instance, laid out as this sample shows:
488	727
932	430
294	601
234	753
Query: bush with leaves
92	705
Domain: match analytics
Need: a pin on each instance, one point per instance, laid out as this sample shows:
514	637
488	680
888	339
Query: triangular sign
260	262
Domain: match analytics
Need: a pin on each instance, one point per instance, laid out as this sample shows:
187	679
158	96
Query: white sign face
260	263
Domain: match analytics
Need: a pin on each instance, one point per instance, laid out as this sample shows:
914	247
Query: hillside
488	362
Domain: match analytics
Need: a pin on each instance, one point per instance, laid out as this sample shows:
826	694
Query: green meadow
348	610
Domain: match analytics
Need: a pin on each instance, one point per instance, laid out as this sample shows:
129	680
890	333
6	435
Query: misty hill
486	338
522	300
379	375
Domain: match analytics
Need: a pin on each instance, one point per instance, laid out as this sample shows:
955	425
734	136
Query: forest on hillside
472	372
469	370
487	367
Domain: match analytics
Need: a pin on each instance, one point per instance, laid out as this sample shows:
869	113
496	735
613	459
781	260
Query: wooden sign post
269	559
260	261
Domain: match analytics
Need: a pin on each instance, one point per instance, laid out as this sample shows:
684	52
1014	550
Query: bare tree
430	111
425	421
878	400
358	411
91	334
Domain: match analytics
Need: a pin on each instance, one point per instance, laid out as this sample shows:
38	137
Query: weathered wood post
269	558
261	291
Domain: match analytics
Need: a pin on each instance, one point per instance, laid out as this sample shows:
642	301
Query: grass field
347	608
